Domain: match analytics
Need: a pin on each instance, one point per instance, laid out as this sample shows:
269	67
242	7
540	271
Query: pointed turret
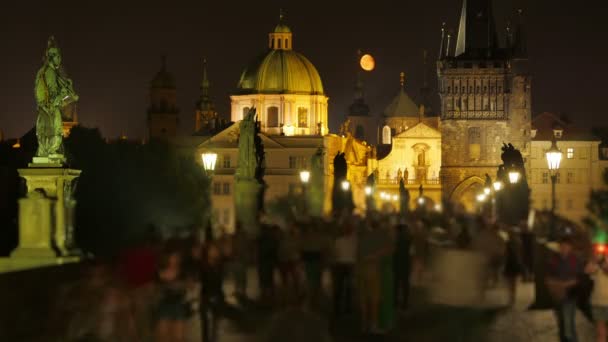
204	102
206	120
477	36
519	42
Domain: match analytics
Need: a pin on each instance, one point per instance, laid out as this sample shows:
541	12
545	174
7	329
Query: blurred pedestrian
267	248
212	287
513	264
597	267
171	309
344	259
563	272
402	266
241	257
289	260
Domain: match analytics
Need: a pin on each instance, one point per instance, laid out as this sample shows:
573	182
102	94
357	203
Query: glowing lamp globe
421	200
487	191
367	62
554	157
395	198
514	177
368	190
481	198
304	176
345	185
497	186
209	160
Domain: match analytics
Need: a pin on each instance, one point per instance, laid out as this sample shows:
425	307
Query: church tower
362	124
206	120
163	112
485	93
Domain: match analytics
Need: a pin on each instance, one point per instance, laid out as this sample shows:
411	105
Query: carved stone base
46	214
246	204
53	160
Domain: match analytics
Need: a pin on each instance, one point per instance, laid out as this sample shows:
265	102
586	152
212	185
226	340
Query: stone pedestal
45	218
246	204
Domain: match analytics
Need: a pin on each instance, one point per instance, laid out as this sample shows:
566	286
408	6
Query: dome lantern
280	38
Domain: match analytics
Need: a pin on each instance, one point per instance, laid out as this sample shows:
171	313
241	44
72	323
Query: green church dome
282	28
281	72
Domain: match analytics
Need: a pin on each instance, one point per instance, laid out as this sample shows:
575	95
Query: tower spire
402	80
447	50
519	44
205	81
442	40
477	29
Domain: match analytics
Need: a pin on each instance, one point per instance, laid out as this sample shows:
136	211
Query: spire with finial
402	79
519	43
442	40
204	102
447	49
358	107
509	35
280	37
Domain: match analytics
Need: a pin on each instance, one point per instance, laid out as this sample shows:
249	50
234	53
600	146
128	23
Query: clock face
367	62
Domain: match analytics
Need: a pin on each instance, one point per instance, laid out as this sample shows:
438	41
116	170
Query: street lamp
514	176
345	185
481	198
497	186
554	158
305	176
368	190
209	160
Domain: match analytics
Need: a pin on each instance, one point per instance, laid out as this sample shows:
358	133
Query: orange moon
367	62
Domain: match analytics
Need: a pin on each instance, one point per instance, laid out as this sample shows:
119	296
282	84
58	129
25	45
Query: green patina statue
247	163
316	193
54	92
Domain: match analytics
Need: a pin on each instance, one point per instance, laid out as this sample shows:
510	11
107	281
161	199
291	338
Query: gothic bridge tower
485	93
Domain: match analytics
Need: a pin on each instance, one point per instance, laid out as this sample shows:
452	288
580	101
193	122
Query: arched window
474	142
272	116
386	135
287	43
280	43
302	117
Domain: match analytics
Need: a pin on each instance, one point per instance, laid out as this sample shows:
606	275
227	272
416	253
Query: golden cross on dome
402	79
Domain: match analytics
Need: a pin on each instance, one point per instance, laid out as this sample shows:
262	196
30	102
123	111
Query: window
302	117
298	162
558	178
287	43
217	188
386	135
245	111
272	116
570	177
545	179
226	189
474	143
570	153
279	43
226	161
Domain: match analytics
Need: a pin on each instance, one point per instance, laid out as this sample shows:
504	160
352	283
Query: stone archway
466	192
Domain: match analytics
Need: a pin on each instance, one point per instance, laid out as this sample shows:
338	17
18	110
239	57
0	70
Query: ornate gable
421	130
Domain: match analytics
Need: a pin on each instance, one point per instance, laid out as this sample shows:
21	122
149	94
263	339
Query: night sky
111	50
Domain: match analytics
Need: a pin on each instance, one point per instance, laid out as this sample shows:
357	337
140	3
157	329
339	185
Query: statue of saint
399	175
406	175
247	162
54	92
345	128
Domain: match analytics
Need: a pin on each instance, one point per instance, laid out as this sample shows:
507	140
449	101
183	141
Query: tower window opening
386	135
287	43
280	43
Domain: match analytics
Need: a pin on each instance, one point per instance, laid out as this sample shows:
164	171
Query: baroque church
485	96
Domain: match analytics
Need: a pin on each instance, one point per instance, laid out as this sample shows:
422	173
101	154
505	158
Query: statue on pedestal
54	92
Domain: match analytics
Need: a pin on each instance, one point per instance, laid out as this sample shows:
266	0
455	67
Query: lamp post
304	178
209	160
554	158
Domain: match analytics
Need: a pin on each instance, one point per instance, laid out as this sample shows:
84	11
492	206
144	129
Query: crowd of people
174	290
